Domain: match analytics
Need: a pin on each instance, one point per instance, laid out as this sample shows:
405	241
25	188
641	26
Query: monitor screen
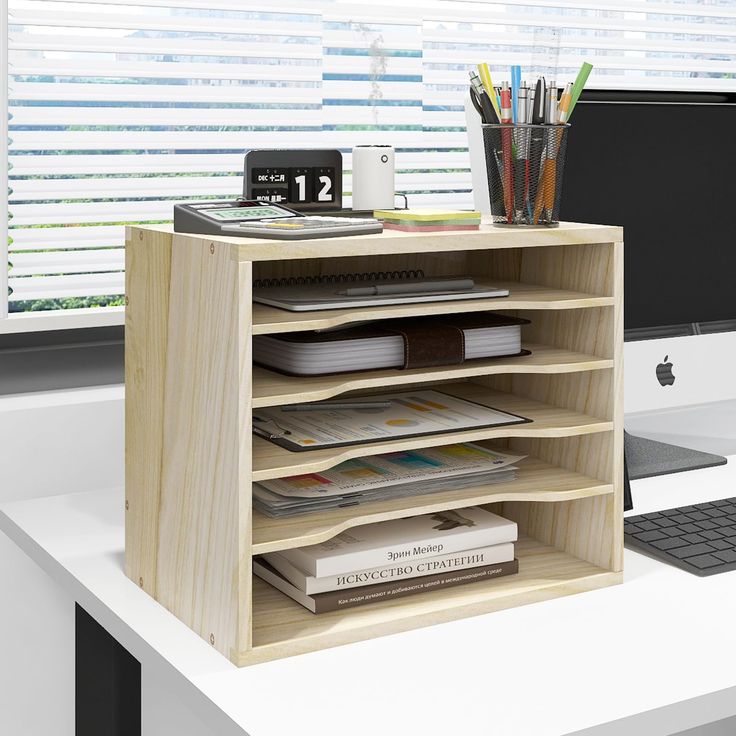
665	171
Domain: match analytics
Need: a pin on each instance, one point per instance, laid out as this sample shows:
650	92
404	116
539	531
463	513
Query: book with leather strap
420	342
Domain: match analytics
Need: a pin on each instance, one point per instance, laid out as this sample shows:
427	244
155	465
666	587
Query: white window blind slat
119	109
55	287
68	262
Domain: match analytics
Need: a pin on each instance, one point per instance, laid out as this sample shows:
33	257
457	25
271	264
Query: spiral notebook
307	293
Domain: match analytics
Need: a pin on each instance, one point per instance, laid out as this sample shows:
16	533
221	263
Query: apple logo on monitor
664	372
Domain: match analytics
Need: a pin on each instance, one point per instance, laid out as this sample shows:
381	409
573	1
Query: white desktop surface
662	645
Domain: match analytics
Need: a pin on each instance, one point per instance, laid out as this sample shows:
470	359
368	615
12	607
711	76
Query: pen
508	163
536	145
430	286
489	112
521	138
515	84
551	112
338	405
565	100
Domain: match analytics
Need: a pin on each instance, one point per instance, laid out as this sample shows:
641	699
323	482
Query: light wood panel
283	628
271	388
535	481
147	279
270	320
394	241
272	461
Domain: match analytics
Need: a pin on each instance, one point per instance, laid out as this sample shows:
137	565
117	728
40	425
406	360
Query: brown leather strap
431	345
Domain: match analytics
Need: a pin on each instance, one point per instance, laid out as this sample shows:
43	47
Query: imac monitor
661	164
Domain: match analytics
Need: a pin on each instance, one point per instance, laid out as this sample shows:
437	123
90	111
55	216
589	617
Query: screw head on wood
140	235
127	505
212	639
127	301
140	582
212	248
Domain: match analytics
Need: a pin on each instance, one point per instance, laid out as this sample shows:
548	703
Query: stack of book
393	559
389	475
428	220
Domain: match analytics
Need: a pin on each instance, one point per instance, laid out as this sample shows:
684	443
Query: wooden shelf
282	627
393	241
270	320
192	391
272	389
535	481
272	461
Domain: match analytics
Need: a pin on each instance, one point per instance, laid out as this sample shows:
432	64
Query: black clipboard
282	439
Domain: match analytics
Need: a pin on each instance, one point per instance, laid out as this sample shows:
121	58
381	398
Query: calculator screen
247	213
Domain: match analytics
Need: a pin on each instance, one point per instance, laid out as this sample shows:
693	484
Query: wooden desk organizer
191	456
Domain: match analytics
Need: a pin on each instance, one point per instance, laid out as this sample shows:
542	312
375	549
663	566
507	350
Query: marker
485	76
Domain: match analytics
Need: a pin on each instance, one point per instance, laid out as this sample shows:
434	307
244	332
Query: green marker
577	87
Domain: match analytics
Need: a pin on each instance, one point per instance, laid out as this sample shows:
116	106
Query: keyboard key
653	515
689	528
720	544
725	521
706	505
675	512
671	543
686	519
722	502
647	526
691	551
706	524
694	538
727	555
729	531
714	513
683	509
673	531
703	562
664	522
649	536
710	534
696	516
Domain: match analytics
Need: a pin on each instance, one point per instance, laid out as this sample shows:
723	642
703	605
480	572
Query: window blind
120	109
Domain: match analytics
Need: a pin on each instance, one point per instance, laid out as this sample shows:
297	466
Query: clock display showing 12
306	179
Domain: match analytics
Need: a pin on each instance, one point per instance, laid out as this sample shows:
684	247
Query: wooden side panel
147	277
583	528
618	407
587	268
203	544
588	331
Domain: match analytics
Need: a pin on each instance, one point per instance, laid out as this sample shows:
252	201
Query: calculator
256	219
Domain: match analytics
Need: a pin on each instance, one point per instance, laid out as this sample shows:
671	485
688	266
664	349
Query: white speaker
373	178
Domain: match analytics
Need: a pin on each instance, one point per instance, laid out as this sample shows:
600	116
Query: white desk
468	677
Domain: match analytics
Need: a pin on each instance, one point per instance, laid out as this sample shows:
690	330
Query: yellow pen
485	76
565	100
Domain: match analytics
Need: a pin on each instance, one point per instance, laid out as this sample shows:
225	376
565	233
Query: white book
399	571
403	540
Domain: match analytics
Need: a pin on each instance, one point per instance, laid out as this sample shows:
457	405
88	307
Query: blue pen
515	84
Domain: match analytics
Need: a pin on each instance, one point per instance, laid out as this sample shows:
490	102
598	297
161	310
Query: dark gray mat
646	458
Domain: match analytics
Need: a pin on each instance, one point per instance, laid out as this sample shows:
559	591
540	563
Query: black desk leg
107	682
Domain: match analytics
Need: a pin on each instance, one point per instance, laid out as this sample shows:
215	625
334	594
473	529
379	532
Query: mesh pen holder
525	165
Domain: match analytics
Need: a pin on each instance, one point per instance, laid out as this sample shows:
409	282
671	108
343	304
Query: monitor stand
676	440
